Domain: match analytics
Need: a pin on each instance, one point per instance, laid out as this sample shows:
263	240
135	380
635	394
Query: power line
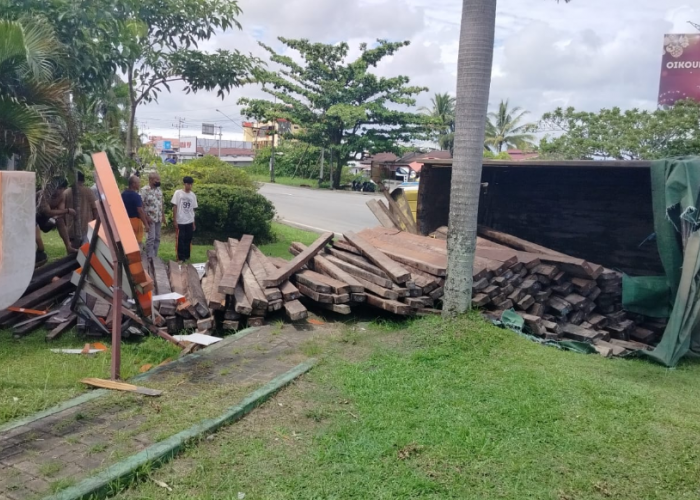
179	125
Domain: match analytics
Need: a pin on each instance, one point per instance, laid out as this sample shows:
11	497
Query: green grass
285	236
457	410
280	248
286	181
32	378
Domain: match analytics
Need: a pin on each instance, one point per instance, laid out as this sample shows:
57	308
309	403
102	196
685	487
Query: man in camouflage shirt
152	198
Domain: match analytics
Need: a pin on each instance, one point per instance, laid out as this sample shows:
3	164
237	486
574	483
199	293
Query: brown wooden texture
289	291
255	294
383	215
232	272
397	273
310	279
60	286
299	261
295	310
196	294
359	273
389	305
324	266
358	261
243	305
326	298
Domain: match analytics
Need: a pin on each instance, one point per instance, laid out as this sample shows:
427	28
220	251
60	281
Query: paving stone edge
108	481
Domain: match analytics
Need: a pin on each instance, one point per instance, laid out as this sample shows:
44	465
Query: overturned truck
638	217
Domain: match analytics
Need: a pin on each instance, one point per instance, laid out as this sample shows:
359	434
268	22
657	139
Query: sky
589	54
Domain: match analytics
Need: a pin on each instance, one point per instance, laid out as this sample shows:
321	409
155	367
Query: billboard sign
680	69
208	129
188	145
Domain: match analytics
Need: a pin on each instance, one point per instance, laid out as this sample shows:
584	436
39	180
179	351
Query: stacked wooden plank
354	271
560	297
240	287
49	287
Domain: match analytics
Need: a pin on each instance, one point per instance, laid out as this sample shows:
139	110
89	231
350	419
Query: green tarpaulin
675	186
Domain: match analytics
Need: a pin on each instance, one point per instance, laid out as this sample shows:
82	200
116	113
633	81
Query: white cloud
588	53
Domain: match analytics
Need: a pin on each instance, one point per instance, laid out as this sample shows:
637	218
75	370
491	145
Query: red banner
680	69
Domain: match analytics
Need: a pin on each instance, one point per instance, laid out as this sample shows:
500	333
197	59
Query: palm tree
473	82
504	129
32	102
443	112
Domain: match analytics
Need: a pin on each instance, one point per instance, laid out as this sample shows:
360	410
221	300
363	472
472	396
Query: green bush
207	170
232	211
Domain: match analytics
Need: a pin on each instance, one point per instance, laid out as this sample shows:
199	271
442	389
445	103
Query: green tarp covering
675	186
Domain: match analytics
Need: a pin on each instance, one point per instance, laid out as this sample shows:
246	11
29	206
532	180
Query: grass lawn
32	378
287	181
280	248
455	410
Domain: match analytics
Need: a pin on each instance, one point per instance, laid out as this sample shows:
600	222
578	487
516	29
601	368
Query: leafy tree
443	112
292	159
473	83
504	129
153	43
340	105
158	46
623	135
88	30
32	100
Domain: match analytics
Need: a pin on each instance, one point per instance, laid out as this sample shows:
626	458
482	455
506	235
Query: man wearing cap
184	203
152	198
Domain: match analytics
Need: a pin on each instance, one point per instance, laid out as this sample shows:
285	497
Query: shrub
231	211
207	170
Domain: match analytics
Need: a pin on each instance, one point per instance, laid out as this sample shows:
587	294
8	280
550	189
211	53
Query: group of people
145	208
68	209
58	207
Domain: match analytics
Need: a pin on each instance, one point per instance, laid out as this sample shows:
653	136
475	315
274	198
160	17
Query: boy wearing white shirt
184	203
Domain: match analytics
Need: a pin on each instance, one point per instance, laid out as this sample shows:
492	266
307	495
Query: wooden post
117	321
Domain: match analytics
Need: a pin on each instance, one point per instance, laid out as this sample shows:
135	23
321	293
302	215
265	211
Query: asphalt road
321	210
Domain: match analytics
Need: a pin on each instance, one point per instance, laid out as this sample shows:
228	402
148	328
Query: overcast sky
588	54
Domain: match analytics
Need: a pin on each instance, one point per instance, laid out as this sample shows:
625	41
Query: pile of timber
240	287
558	296
42	303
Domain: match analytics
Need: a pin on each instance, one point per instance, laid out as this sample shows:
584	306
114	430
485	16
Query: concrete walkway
46	455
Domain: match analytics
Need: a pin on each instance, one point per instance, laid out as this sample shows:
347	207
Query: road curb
94	394
116	475
304	227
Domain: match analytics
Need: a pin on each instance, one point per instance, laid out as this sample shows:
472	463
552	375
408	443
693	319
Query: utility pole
179	125
320	176
272	153
220	134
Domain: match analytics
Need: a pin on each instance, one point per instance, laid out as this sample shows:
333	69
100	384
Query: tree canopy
505	129
623	135
32	99
152	43
339	105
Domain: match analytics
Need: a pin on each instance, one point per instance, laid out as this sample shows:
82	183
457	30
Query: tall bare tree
473	82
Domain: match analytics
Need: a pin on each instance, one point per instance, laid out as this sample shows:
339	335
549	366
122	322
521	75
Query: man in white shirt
184	203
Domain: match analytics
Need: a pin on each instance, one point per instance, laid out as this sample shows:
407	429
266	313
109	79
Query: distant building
262	135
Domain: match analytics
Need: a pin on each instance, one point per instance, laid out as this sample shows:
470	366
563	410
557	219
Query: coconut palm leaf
32	103
505	129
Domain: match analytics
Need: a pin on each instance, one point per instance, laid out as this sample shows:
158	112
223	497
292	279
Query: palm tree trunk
473	82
